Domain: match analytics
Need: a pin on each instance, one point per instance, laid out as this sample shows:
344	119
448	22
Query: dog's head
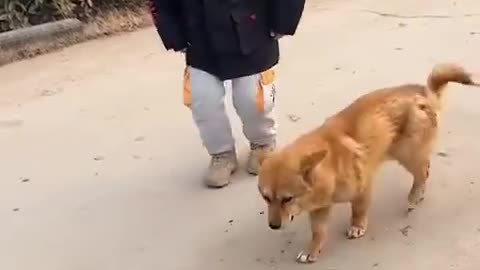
289	183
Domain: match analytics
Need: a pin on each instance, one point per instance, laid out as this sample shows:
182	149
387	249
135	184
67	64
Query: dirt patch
107	24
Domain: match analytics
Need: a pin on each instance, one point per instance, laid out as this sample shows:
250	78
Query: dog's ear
308	163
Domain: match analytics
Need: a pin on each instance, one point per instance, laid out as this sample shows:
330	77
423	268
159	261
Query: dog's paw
416	197
413	202
306	258
355	232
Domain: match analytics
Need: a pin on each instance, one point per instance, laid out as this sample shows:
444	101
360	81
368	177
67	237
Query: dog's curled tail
444	73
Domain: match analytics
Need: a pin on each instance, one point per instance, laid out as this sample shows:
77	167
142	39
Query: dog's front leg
359	221
318	223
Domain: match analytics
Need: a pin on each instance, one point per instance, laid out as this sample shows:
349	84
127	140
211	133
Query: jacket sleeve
167	18
285	15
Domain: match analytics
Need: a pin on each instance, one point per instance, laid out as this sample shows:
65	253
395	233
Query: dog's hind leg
420	172
413	153
414	150
418	164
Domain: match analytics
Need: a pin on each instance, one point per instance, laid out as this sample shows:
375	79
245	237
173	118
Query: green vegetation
16	14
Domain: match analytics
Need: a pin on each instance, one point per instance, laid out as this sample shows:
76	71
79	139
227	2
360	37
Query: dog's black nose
274	226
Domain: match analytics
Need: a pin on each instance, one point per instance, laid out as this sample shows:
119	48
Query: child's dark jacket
227	38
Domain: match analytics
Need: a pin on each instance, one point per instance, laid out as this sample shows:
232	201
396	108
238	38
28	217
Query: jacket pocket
252	30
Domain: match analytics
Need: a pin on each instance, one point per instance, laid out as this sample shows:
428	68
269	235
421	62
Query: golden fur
336	162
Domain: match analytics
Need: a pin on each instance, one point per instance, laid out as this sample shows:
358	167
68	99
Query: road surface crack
420	16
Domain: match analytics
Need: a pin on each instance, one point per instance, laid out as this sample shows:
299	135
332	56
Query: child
233	40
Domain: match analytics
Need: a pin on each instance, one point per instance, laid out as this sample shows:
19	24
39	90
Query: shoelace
219	159
254	146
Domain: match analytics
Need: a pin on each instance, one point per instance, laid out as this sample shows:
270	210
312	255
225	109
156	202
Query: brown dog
335	163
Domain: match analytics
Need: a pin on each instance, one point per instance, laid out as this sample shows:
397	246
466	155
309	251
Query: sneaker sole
226	184
251	172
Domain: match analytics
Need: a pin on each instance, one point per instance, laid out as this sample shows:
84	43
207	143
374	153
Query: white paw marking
355	232
305	258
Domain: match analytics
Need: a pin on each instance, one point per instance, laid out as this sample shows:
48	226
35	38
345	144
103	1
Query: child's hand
275	35
184	50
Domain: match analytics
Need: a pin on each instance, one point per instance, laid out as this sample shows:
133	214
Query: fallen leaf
99	158
16	209
293	118
442	154
47	93
405	230
139	139
261	213
25	180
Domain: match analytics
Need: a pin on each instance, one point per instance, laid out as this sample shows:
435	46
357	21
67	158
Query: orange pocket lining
187	95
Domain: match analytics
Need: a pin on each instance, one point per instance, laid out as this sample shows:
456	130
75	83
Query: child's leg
254	101
204	94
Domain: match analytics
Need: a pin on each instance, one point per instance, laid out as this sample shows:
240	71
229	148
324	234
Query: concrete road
101	165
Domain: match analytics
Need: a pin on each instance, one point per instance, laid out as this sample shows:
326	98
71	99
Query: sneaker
255	151
222	166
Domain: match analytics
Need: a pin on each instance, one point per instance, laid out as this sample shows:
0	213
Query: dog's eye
266	199
287	200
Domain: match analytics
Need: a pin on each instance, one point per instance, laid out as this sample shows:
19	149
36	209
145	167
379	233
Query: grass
106	24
